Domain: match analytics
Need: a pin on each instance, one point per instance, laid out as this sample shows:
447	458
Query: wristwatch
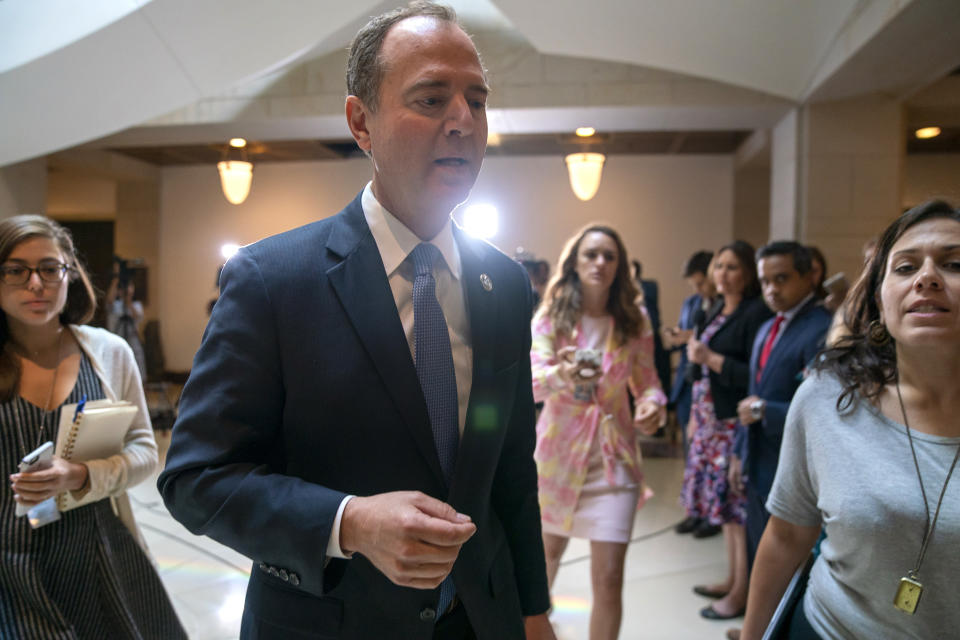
756	409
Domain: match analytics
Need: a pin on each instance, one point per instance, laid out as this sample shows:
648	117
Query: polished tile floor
206	581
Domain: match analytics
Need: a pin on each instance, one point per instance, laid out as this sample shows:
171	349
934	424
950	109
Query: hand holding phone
37	460
589	362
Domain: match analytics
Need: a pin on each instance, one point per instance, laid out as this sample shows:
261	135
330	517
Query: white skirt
604	512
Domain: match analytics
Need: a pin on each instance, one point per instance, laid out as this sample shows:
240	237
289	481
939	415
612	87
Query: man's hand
33	487
744	413
735	474
649	417
538	628
410	537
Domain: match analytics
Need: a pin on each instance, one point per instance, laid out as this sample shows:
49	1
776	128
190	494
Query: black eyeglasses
18	274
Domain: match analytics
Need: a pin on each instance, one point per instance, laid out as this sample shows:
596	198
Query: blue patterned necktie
434	363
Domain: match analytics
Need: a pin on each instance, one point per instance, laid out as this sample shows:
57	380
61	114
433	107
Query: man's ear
357	113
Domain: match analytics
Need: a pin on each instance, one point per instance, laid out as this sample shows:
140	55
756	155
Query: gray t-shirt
853	473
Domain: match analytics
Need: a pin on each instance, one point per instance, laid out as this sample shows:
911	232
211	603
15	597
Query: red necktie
768	345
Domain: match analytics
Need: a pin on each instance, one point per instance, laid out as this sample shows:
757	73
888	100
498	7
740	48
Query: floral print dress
706	492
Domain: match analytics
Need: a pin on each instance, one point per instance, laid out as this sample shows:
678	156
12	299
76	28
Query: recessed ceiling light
238	143
927	132
585	132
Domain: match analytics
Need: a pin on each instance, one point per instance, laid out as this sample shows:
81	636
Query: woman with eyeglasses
86	574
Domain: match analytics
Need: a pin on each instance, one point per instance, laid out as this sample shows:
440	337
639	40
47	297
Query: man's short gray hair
365	68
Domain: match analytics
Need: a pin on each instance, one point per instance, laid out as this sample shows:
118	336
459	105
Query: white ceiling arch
774	46
123	66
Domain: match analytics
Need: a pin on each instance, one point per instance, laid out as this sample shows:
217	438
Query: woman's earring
877	333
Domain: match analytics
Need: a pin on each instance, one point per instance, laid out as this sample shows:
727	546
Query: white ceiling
772	46
72	72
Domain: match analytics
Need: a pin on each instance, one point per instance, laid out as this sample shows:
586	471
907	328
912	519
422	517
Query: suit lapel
482	309
783	342
758	343
362	287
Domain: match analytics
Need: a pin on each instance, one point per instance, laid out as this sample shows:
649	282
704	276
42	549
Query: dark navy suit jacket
688	313
304	391
661	358
759	444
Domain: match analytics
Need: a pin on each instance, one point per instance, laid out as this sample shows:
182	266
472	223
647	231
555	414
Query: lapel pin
486	282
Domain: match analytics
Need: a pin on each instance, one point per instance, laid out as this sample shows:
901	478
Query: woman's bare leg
736	598
606	574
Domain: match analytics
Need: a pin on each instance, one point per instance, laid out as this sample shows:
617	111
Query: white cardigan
115	366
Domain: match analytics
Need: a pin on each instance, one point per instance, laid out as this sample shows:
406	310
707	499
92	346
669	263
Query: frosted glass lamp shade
235	178
585	170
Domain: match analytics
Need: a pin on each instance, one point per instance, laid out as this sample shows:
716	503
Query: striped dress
83	576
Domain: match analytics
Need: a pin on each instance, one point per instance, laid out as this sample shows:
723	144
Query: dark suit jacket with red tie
758	444
304	391
801	340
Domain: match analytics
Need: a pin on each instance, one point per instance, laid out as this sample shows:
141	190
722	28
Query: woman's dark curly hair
563	299
864	365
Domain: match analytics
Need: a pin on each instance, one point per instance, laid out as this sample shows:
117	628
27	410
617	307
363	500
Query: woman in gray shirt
870	454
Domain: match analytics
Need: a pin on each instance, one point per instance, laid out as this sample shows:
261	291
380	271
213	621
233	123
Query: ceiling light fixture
236	172
585	170
585	132
927	132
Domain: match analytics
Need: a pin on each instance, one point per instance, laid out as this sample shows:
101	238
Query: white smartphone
37	460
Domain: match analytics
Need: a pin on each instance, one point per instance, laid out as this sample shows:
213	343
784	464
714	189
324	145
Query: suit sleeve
515	488
740	441
224	476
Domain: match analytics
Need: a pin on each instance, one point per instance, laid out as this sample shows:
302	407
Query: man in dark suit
651	302
359	417
785	345
675	338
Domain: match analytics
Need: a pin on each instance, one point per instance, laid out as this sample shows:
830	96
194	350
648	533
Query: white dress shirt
395	242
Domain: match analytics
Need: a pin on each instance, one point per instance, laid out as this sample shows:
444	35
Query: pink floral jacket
567	426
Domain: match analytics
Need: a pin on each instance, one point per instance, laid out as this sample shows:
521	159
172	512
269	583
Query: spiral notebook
97	432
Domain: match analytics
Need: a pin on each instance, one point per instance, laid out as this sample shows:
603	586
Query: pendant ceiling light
585	170
236	172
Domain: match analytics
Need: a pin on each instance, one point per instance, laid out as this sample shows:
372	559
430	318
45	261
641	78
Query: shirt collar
790	313
395	240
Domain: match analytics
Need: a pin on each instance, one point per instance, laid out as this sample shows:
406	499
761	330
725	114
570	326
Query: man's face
783	286
429	132
701	284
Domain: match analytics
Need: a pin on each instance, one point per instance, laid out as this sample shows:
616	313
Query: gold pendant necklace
910	589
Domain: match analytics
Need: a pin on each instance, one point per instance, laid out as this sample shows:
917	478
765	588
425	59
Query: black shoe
706	530
712	614
691	523
707	592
